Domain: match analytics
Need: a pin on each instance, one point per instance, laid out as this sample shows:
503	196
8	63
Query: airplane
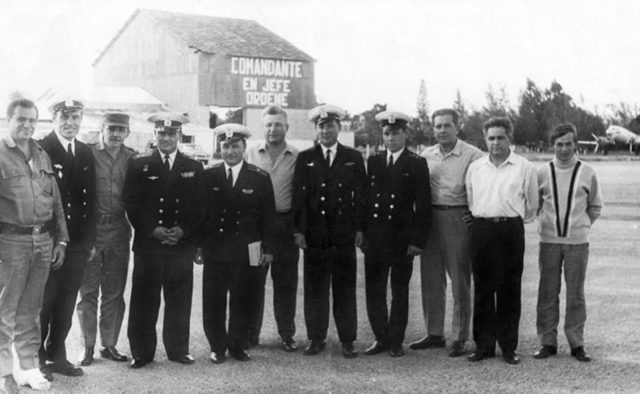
615	135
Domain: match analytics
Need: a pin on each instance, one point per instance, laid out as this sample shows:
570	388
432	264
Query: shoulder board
413	154
256	169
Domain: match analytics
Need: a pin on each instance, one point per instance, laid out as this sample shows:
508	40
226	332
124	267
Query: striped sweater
571	201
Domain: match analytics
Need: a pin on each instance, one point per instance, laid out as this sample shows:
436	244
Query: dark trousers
388	328
284	274
497	251
240	281
59	301
163	271
333	266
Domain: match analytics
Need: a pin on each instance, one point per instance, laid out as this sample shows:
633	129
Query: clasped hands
168	236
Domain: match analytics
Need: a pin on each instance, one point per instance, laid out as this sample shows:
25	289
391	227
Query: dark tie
69	152
230	178
167	164
327	158
390	166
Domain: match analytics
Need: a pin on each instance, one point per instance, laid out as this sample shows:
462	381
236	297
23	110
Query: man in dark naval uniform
397	225
329	204
161	199
237	243
74	169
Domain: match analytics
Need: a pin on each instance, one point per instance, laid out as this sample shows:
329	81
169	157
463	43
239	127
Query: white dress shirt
332	155
235	171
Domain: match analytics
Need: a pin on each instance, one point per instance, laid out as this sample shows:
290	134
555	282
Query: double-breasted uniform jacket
77	183
153	198
400	203
329	204
239	215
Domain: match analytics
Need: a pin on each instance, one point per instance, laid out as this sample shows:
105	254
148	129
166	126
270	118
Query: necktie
327	158
230	178
69	152
390	162
167	164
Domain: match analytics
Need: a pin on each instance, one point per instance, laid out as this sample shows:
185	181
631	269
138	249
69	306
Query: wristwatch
63	243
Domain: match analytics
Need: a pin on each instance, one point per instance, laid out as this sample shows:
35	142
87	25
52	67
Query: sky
366	52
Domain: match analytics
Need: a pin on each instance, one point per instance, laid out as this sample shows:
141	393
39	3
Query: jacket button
375	215
322	198
160	211
393	196
68	216
221	219
177	211
221	230
391	206
376	205
389	217
177	200
159	221
161	199
322	212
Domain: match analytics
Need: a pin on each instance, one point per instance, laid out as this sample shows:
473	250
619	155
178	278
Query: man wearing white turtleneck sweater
571	201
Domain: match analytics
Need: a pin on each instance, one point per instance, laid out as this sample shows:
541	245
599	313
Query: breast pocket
11	178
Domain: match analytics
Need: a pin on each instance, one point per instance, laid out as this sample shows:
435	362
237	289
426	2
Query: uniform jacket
329	204
77	184
238	216
399	202
155	198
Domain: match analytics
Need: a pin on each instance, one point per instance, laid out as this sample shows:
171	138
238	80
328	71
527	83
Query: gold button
159	221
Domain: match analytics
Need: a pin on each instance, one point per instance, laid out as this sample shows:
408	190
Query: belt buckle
37	229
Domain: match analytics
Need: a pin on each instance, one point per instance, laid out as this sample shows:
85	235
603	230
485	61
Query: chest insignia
57	166
247	191
145	168
152	177
188	174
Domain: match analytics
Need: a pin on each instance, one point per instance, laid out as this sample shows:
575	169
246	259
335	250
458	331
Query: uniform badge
323	114
68	103
247	191
188	174
60	174
145	168
310	164
392	119
57	166
167	123
86	168
153	177
228	133
349	163
216	189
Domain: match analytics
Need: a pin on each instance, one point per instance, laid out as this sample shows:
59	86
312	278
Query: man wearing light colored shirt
278	158
502	192
447	248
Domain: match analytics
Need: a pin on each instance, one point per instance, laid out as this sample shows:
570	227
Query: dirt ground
613	306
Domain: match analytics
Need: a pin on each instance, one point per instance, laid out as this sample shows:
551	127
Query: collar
455	151
9	141
262	147
396	155
334	149
235	169
172	156
65	142
571	163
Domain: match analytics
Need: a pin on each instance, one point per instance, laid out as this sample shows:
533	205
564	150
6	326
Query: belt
500	219
283	213
445	207
110	219
9	228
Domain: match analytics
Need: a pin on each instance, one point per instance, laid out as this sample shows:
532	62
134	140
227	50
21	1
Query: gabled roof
214	35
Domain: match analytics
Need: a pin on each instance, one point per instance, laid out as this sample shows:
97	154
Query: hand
299	240
175	233
92	253
467	218
197	259
160	233
359	239
266	259
57	256
413	251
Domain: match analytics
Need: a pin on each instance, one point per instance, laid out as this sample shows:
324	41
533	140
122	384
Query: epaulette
257	169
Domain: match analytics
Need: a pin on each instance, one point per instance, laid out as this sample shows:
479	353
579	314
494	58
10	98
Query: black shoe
348	351
46	372
138	363
65	368
481	354
430	341
579	354
545	351
511	358
457	349
185	359
87	358
240	354
111	353
376	347
289	345
217	358
396	350
253	342
314	348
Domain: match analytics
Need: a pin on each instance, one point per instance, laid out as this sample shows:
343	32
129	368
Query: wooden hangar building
200	64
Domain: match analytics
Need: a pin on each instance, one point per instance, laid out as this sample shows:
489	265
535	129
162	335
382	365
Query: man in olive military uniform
106	273
329	205
397	226
237	242
75	174
161	199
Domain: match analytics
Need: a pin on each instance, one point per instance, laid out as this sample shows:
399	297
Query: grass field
613	306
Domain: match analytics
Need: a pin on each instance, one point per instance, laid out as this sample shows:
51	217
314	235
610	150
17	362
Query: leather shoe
46	372
87	358
511	358
111	353
481	354
579	354
289	345
396	350
240	354
314	348
376	347
65	368
217	358
185	359
138	363
252	342
545	351
348	351
457	349
430	341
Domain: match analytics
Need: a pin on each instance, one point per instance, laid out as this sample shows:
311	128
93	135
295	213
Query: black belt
500	219
445	207
9	228
110	219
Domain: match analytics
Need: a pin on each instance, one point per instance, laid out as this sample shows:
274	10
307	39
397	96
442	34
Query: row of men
321	200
